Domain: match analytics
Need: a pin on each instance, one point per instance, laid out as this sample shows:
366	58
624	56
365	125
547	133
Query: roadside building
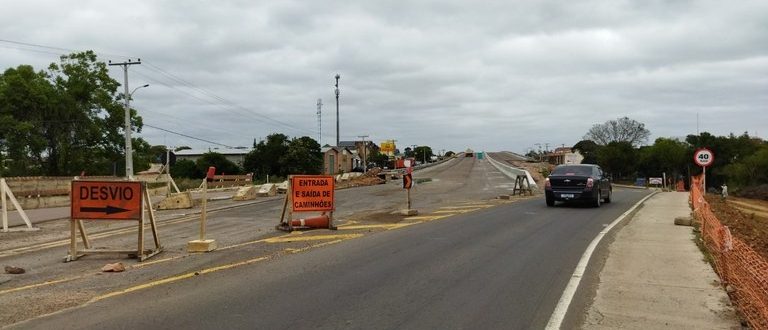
564	155
235	155
337	160
362	149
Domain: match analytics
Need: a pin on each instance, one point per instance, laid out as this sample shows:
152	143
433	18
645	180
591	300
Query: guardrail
512	172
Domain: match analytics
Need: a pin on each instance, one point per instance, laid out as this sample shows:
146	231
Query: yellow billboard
388	147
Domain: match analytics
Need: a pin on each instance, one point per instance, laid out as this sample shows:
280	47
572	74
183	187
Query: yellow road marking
32	286
454	212
282	239
177	278
313	246
428	217
148	263
479	206
385	226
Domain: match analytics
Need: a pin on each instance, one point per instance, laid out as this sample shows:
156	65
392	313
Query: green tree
449	154
265	159
62	121
186	168
727	150
751	170
588	149
215	159
423	153
302	157
664	156
619	130
617	158
376	157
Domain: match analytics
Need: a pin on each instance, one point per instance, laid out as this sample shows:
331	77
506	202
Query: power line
243	110
188	136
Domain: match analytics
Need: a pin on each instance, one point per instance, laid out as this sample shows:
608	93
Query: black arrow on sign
108	210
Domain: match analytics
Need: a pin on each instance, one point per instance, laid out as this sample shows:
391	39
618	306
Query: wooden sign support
311	193
522	186
86	196
5	194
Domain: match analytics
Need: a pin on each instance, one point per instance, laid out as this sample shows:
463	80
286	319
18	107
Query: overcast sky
487	75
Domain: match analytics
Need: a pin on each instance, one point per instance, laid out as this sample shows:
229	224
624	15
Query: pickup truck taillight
547	184
590	183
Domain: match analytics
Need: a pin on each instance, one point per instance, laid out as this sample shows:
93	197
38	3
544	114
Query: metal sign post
704	158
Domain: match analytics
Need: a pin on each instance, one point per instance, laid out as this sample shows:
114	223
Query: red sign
408	181
312	193
107	200
703	157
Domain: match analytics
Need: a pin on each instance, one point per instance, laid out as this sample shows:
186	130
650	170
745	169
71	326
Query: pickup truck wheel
596	202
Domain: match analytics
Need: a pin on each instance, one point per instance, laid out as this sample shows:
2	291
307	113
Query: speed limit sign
703	157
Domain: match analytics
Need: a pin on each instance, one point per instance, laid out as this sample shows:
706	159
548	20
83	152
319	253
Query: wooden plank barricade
110	200
309	193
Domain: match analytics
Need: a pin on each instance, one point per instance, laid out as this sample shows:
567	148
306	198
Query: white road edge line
558	315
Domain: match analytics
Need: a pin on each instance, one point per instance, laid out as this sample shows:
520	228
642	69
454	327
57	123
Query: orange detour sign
309	193
312	193
105	200
110	200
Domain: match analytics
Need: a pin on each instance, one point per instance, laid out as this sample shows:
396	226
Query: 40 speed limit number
703	157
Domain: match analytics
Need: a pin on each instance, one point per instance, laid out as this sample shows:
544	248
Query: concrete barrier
182	200
282	187
245	194
267	190
512	172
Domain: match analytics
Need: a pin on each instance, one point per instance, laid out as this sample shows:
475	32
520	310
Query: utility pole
128	144
365	162
540	155
319	122
337	109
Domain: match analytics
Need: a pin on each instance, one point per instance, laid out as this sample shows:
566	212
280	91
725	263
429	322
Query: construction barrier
226	181
309	193
739	266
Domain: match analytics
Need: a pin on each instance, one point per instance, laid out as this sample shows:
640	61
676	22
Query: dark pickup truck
578	183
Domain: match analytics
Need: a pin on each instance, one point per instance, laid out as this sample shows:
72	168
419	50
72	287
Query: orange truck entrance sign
106	200
312	193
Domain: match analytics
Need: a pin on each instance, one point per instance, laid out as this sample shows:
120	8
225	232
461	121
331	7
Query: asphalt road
502	267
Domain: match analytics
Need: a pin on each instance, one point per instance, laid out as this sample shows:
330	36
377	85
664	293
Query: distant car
582	182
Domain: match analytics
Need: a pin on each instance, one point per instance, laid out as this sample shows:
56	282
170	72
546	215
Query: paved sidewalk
655	276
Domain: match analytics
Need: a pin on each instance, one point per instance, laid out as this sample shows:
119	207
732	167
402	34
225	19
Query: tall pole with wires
365	147
128	144
337	109
320	121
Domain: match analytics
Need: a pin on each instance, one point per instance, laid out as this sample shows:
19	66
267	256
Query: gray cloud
495	75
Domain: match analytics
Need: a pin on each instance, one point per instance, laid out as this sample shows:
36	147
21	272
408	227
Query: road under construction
468	259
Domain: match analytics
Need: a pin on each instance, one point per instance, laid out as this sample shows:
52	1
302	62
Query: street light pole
337	109
128	141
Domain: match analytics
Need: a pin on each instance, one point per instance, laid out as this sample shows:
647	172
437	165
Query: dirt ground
746	218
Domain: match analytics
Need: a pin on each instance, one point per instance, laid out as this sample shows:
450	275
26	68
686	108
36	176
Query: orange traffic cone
320	221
